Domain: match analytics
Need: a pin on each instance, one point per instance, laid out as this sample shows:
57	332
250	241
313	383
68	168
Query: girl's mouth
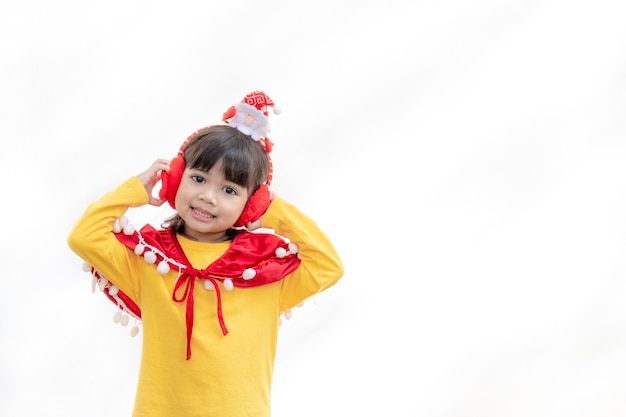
202	214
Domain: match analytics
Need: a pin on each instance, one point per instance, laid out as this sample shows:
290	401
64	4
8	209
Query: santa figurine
250	116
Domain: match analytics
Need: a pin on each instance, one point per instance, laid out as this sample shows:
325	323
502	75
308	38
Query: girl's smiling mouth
202	214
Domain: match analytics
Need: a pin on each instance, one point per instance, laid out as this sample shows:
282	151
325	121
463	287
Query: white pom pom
149	257
134	331
128	229
277	110
124	321
288	314
103	283
94	283
163	267
208	285
281	252
86	267
249	274
228	284
117	227
293	248
117	317
113	290
139	249
123	221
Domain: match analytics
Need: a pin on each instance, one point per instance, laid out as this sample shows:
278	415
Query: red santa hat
256	99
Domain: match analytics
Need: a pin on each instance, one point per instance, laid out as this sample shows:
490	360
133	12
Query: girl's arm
321	265
92	238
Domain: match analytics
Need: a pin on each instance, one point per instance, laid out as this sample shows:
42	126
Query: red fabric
229	114
259	100
248	250
189	281
171	180
256	206
129	304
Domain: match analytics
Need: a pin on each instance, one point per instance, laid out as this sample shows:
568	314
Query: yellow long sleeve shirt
228	375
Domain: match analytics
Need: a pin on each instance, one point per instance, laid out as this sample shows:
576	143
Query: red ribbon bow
188	279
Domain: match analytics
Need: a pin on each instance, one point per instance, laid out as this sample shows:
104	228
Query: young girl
208	291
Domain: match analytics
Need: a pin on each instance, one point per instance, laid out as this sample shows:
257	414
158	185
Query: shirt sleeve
92	238
321	266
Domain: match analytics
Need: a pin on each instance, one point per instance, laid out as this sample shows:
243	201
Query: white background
466	157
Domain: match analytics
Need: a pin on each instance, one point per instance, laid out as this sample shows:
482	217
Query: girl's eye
197	178
230	190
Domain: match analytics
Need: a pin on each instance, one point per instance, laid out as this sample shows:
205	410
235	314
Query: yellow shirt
227	375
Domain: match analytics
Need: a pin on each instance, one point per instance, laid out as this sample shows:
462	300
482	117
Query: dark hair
243	161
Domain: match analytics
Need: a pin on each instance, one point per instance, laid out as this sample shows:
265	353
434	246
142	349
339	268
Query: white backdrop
466	157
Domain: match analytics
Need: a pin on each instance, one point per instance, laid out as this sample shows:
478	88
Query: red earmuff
256	206
170	181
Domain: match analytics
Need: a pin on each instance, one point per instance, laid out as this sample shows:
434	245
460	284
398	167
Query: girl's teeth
203	214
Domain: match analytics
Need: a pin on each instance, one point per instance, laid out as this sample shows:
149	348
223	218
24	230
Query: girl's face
209	204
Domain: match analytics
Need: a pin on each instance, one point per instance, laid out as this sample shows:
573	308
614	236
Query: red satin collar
252	259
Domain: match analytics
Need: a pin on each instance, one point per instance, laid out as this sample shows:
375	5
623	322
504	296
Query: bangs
242	160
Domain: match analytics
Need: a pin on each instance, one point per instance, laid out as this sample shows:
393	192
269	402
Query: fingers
153	201
158	166
161	165
255	224
153	174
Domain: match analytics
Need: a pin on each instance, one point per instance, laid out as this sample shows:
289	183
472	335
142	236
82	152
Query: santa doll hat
250	116
258	100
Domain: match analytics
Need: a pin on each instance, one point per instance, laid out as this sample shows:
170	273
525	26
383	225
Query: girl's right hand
151	176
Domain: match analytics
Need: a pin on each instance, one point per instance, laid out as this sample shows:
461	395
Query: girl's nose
208	196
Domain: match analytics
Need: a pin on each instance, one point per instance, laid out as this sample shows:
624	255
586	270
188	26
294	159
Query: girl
209	292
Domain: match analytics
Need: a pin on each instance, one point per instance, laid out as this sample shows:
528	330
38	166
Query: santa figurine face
250	121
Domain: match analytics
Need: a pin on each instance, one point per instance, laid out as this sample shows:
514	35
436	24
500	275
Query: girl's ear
170	181
256	207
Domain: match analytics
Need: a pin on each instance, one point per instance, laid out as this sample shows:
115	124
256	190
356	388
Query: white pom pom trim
248	274
163	268
117	317
150	257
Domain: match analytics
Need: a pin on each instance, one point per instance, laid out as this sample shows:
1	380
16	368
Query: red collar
252	259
